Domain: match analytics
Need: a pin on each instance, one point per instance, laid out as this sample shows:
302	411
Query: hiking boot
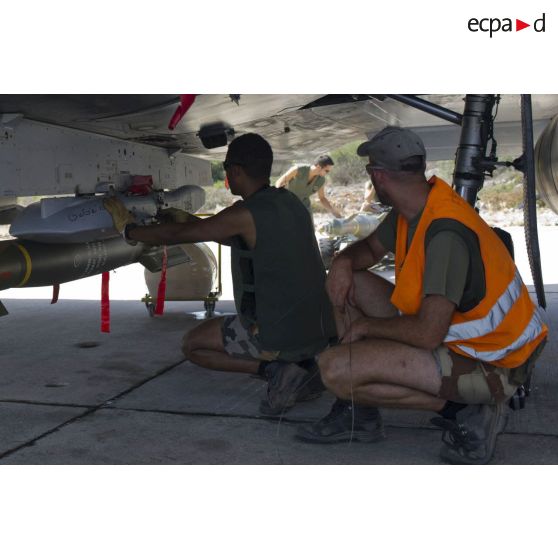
313	386
471	438
345	423
287	384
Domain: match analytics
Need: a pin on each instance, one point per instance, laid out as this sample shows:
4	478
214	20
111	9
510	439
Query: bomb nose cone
13	264
24	263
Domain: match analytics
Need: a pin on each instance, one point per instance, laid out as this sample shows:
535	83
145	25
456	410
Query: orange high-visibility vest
505	327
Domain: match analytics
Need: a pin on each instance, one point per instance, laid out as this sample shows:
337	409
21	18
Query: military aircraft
154	152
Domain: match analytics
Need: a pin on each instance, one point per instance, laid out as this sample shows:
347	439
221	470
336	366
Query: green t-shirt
453	265
303	189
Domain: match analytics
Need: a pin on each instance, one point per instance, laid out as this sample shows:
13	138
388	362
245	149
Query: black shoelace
456	435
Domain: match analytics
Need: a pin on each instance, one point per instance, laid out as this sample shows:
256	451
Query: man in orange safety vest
456	335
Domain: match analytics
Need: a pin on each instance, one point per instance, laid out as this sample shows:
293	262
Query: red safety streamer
55	293
105	303
161	291
186	101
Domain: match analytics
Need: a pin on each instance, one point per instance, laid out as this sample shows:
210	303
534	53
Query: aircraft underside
145	148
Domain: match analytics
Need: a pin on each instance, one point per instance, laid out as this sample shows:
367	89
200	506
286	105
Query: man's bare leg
372	295
397	397
372	373
383	373
203	346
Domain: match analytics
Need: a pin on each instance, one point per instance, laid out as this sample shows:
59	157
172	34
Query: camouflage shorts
466	380
240	342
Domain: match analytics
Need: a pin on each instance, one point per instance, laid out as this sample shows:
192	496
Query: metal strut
470	160
428	107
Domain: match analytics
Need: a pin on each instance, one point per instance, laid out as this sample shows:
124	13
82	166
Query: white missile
76	220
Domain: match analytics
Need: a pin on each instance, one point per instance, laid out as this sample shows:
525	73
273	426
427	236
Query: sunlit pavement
70	394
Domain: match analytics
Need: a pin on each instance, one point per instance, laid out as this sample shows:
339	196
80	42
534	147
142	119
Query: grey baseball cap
392	147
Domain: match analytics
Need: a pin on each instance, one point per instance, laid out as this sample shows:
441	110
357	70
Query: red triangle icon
519	25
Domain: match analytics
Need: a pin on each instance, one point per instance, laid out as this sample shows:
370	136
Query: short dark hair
324	161
253	153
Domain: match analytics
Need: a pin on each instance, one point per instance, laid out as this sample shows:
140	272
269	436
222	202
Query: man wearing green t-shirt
404	346
306	180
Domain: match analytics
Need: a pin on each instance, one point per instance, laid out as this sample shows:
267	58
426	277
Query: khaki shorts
466	380
241	342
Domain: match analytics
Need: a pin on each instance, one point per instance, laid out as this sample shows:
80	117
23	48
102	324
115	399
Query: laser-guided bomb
68	238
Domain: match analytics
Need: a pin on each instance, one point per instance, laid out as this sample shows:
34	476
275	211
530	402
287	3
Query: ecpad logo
494	24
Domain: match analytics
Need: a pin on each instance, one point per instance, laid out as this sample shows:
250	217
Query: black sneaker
345	423
287	384
470	439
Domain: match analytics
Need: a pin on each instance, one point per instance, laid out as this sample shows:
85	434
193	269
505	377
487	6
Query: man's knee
373	283
335	371
194	339
188	344
373	294
207	335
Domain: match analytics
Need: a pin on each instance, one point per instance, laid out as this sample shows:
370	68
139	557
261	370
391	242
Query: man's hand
339	282
120	215
356	331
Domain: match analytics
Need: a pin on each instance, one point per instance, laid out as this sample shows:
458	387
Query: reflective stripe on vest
505	327
482	326
530	333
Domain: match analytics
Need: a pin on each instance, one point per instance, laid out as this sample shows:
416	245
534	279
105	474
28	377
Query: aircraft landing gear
209	305
149	305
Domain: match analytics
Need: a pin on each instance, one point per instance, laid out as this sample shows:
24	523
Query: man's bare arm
286	178
235	220
327	204
425	330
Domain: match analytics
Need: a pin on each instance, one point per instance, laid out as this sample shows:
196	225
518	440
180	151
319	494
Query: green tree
348	167
217	171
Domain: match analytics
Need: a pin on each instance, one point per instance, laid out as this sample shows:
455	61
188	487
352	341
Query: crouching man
284	314
456	334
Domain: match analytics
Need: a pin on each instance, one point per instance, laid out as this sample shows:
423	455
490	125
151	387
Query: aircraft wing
297	126
86	145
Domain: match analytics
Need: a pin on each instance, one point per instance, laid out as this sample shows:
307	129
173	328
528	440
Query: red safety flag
105	303
55	293
186	101
161	291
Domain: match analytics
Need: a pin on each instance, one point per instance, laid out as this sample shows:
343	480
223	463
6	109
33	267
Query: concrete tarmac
72	395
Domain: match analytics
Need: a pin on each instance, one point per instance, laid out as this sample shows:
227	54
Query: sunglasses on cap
371	167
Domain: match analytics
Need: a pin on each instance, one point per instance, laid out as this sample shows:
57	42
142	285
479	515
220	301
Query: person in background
371	202
306	180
